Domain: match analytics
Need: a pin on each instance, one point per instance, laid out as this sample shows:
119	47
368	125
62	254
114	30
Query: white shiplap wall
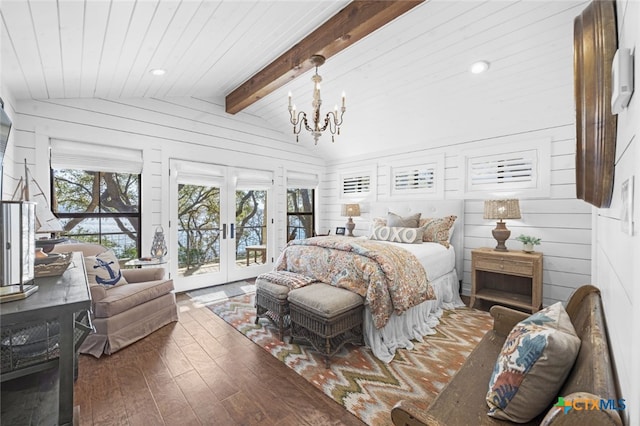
8	182
185	128
561	221
616	255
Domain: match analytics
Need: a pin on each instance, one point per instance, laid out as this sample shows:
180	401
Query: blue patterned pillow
534	362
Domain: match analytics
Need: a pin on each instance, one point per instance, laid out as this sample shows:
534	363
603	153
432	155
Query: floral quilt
390	278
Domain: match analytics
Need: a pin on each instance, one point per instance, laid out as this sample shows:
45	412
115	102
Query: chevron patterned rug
362	384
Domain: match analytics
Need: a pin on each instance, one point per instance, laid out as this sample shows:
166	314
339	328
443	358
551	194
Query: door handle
233	230
224	231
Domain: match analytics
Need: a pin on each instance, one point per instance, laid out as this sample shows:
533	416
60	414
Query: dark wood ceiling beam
354	22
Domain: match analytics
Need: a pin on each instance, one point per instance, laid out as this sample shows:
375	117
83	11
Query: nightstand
507	277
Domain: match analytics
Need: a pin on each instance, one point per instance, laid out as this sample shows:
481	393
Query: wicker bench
327	317
271	303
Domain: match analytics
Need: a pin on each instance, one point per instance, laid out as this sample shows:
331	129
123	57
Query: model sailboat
46	222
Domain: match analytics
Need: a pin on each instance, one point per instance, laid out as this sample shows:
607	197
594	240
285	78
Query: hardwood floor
199	370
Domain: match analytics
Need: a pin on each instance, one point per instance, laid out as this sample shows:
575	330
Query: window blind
193	173
300	180
253	179
514	169
413	179
67	154
356	184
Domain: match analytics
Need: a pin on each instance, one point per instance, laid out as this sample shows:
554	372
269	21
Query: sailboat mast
26	181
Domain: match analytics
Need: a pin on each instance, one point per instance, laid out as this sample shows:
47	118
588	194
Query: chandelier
332	121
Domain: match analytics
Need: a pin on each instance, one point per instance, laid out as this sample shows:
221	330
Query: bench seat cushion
277	291
124	297
325	300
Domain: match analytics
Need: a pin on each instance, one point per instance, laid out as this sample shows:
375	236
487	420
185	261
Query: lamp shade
502	209
350	210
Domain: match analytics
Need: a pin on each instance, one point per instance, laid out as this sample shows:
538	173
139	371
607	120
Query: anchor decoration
114	276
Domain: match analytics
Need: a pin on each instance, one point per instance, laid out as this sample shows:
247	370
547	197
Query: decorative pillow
290	279
397	234
534	362
104	269
378	221
397	221
438	230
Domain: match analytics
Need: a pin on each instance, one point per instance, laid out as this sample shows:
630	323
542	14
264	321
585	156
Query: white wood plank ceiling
407	84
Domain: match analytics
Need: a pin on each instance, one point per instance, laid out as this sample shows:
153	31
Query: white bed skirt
413	324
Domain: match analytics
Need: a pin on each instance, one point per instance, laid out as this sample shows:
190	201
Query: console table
59	304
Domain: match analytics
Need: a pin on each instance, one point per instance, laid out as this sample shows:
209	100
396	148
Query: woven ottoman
271	303
272	289
327	317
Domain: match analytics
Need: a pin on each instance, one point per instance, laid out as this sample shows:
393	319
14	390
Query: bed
385	331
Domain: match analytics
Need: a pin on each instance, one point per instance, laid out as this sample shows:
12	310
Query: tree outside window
99	207
199	230
300	213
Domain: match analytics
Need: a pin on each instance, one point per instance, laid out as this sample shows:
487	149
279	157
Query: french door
220	228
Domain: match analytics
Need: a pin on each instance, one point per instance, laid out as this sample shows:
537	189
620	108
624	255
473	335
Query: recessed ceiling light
158	71
479	67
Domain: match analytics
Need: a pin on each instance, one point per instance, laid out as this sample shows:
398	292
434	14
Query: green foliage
526	239
82	197
300	213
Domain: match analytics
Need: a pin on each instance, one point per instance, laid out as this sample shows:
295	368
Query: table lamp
350	210
501	209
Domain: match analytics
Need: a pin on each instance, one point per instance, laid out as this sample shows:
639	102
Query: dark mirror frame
594	44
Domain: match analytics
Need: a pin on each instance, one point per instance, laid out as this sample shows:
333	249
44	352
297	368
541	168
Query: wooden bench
462	401
256	249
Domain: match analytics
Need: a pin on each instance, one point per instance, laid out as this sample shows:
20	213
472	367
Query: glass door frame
229	268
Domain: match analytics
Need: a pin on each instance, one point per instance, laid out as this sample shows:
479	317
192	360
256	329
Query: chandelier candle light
350	210
501	209
332	120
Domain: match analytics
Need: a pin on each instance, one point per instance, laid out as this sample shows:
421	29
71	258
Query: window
99	207
300	213
509	169
357	184
412	179
520	168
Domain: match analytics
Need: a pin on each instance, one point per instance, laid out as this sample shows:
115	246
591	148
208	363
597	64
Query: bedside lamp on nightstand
501	209
350	210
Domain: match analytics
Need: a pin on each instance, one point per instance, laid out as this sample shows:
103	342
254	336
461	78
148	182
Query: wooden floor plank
198	371
220	383
138	400
201	399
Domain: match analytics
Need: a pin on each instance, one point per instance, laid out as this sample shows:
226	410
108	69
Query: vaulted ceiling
408	84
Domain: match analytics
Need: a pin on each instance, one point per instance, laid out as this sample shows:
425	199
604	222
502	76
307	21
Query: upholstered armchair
125	313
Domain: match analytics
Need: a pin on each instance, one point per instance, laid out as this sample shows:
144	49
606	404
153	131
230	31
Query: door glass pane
251	227
198	229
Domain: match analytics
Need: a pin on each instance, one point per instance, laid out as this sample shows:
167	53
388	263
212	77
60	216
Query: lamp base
501	234
350	225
